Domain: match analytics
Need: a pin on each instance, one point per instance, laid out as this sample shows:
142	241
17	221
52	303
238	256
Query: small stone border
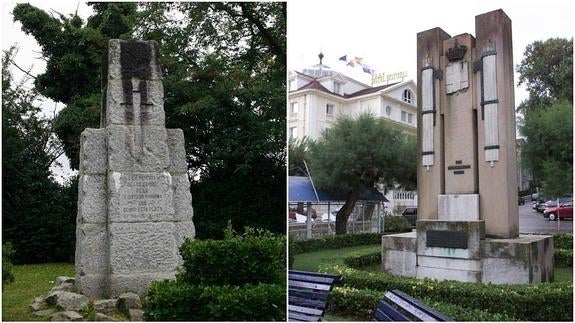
63	303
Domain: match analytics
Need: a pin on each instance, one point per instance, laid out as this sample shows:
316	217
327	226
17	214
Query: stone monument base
526	259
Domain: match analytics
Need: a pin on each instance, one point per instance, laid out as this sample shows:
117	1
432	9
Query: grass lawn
311	261
31	281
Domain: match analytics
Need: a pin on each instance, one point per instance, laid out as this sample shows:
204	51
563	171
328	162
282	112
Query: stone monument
468	222
134	203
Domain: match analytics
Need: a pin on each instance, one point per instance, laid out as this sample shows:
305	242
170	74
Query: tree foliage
297	154
37	213
361	151
224	83
547	71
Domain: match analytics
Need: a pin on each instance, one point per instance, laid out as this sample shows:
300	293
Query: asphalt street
531	221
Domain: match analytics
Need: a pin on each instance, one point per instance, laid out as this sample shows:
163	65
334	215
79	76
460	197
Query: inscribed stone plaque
446	239
457	77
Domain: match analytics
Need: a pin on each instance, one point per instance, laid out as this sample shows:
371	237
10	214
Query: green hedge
373	258
239	259
563	258
7	267
396	224
535	302
360	304
177	301
563	241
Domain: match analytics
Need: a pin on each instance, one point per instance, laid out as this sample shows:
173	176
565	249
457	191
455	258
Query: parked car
553	203
564	211
410	214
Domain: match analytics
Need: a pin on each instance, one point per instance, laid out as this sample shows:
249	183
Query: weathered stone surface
136	282
127	301
474	230
184	229
39	304
105	318
142	247
91	249
138	148
93	151
182	198
93	286
144	54
66	287
67	301
178	163
140	197
66	316
44	312
64	279
136	315
106	306
458	207
92	199
126	111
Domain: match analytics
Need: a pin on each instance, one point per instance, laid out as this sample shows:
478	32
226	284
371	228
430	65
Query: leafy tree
549	148
35	216
361	151
297	154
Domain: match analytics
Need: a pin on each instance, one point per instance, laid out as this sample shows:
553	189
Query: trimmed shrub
533	302
333	242
359	261
254	257
7	267
360	303
563	258
396	224
563	241
178	301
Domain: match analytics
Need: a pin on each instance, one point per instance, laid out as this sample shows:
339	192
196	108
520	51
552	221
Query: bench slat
308	273
315	286
300	301
303	317
317	295
314	279
410	308
438	316
385	312
305	310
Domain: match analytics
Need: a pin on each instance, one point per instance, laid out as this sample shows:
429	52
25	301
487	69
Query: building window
336	87
293	132
407	96
410	117
403	116
329	109
293	107
388	110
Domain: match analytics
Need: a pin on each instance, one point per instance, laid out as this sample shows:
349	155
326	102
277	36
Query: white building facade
319	95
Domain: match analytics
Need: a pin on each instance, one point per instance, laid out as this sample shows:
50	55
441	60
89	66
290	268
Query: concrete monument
468	222
134	204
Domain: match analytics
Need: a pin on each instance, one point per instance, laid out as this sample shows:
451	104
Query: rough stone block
44	312
184	229
449	263
93	151
176	145
93	286
64	279
106	306
92	199
458	207
140	197
136	315
67	301
127	301
91	249
127	107
101	317
142	247
66	287
133	58
137	283
182	198
137	148
399	262
449	274
66	316
505	271
401	241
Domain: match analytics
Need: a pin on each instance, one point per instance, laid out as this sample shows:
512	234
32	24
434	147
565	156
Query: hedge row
177	301
563	241
360	303
535	302
563	258
359	261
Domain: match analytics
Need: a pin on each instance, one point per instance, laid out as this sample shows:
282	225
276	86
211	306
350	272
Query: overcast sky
383	33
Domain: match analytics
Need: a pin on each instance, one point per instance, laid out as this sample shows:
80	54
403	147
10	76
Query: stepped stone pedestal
468	221
134	201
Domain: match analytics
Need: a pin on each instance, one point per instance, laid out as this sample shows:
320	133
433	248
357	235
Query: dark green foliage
533	302
360	303
396	224
38	214
333	242
7	267
563	258
239	278
235	260
359	261
297	155
178	301
563	241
